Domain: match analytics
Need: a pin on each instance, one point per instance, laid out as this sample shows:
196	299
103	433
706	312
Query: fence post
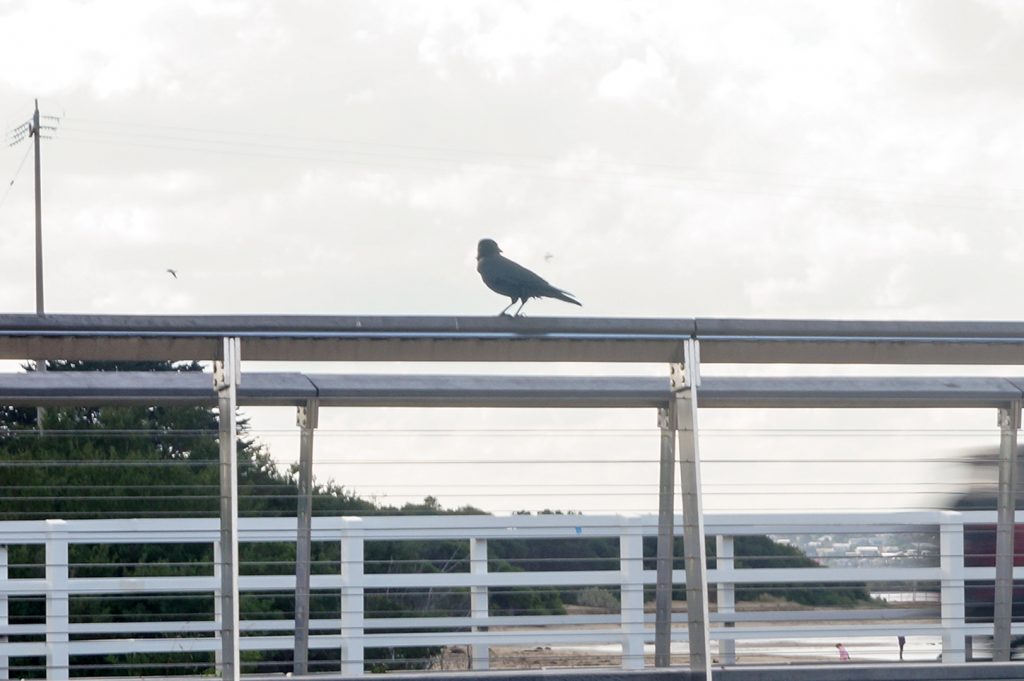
226	376
306	418
666	540
1009	424
951	557
726	592
58	658
352	604
685	381
4	621
479	607
631	597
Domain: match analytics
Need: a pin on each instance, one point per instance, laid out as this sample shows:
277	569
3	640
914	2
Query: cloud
55	47
648	79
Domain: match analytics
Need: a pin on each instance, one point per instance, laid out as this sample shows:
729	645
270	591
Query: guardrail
61	639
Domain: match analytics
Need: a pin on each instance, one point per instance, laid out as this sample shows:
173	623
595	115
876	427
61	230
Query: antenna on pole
35	128
36	131
40	308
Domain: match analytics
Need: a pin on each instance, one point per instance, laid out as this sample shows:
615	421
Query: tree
143	461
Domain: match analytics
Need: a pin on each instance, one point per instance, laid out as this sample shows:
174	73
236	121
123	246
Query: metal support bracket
227	371
685	375
1010	417
307	416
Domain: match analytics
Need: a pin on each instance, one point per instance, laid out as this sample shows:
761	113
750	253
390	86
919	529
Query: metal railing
61	638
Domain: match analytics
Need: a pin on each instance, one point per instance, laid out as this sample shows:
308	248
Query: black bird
512	279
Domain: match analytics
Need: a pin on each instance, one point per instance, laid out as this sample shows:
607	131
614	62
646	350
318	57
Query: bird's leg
502	313
519	312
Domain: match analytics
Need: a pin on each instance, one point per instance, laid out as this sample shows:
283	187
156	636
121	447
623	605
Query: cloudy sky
756	159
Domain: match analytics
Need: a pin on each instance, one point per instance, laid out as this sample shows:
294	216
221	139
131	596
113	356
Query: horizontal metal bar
55	388
459	339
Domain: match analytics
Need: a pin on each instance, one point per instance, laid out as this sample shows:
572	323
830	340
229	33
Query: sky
847	160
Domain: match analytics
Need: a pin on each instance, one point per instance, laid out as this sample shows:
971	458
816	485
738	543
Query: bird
511	279
172	272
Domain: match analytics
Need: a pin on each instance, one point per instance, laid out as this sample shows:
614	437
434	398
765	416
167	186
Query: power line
387	155
17	172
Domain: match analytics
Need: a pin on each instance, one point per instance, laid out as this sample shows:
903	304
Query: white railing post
352	605
726	594
4	621
951	552
58	659
479	606
631	596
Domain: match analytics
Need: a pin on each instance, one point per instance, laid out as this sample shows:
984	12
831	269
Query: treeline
144	462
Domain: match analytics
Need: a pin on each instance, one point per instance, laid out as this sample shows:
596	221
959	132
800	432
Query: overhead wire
391	155
17	172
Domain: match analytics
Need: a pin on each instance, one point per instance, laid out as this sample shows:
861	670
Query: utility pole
35	132
40	308
34	128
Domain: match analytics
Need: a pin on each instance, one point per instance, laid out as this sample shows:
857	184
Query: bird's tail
565	295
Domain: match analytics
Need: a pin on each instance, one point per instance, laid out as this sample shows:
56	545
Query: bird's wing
535	286
509	278
517	275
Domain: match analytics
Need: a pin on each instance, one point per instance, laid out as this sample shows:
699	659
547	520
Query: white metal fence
61	640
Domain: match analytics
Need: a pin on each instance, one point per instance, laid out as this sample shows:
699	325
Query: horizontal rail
428	527
355	390
460	339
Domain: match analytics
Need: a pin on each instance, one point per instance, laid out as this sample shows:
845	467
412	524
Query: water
783	650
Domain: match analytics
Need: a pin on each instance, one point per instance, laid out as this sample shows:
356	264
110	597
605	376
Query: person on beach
843	655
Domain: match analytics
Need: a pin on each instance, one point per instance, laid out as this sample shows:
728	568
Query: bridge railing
64	639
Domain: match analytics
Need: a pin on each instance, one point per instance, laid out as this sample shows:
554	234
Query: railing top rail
566	339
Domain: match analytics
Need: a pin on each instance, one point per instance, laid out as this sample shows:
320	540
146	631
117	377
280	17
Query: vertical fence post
631	596
726	592
306	419
951	552
684	381
1009	424
480	654
4	621
352	604
666	540
58	658
226	375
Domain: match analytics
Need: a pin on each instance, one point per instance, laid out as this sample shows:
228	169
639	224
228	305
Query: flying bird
512	279
173	273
